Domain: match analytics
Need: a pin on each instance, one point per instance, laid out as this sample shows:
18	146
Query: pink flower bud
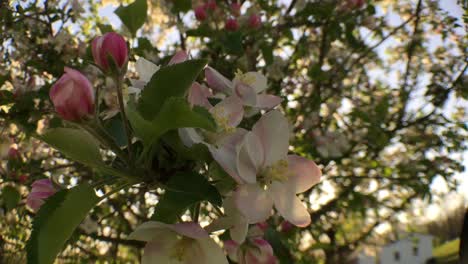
179	57
23	178
231	24
73	96
110	45
254	21
286	226
13	153
235	9
200	13
41	190
211	5
260	252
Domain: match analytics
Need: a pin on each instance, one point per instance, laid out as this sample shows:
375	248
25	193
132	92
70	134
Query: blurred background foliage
375	90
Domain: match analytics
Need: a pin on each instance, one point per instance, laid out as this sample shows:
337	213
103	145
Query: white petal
273	131
230	109
189	136
255	80
304	173
288	205
145	69
217	81
253	202
148	230
189	229
246	93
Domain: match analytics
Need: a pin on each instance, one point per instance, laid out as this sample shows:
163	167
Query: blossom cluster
234	17
266	175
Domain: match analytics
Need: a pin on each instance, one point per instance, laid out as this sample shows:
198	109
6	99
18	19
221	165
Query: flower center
245	78
222	120
278	171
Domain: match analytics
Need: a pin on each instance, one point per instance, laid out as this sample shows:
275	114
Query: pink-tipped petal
267	101
231	247
253	202
179	57
304	173
198	95
217	81
273	131
288	205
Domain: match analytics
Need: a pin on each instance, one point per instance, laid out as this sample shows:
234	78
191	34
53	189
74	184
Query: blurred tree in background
376	92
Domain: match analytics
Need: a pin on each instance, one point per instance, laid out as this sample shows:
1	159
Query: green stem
196	213
119	82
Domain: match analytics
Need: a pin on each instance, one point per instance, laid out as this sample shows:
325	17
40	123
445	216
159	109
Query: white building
414	249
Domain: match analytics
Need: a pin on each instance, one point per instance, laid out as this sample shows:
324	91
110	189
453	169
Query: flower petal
253	202
255	80
304	173
267	101
189	229
229	109
288	205
159	250
273	131
246	93
179	57
145	69
217	81
198	95
149	230
208	252
189	136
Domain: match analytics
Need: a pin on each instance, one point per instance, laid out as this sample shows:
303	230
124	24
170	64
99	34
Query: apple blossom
181	243
247	86
145	69
41	190
268	175
211	5
73	96
110	45
179	57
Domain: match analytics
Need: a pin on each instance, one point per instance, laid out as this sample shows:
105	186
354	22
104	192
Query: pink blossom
110	45
184	243
286	226
254	21
200	13
13	153
73	96
41	190
268	176
249	87
231	24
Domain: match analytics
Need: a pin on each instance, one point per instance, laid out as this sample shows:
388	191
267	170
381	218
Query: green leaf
56	221
233	43
116	130
11	197
133	16
182	191
170	81
175	113
181	6
75	144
